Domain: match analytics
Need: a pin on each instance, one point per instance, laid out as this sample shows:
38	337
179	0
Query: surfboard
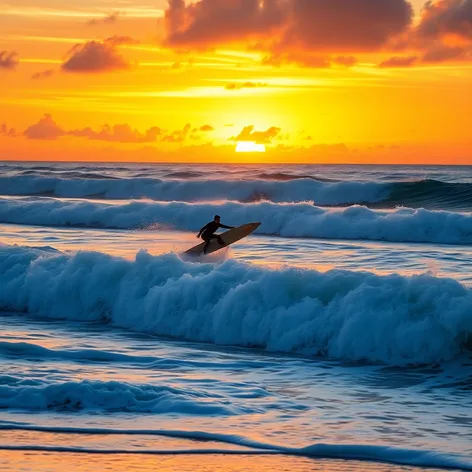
229	238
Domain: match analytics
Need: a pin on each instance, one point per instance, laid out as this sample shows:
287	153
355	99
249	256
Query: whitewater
337	337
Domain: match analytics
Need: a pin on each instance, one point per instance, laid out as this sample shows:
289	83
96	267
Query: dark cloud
301	25
8	60
260	137
43	75
107	20
398	61
444	53
346	25
241	85
444	33
46	128
207	23
122	133
446	17
96	56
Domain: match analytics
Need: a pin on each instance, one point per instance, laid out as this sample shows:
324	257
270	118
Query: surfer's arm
201	231
226	227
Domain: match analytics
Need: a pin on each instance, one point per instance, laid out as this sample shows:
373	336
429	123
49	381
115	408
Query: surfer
207	233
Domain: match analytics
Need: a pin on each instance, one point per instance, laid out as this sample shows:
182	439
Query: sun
250	146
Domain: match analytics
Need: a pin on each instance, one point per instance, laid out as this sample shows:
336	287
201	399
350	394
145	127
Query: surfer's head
217	218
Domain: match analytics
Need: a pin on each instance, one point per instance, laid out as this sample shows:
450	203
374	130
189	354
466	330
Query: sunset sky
368	81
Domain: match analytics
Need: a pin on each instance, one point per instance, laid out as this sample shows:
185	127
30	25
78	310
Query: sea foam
346	315
302	220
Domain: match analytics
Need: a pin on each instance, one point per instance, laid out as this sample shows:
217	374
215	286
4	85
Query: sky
315	81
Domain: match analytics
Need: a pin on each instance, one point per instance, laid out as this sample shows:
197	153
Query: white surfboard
229	237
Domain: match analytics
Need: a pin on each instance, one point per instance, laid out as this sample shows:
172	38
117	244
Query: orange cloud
122	133
241	85
6	131
444	33
207	128
213	22
345	61
442	53
46	128
446	17
345	25
259	137
398	61
107	20
8	60
96	56
320	33
301	25
178	136
43	75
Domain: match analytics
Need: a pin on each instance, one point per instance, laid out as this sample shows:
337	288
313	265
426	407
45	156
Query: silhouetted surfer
207	233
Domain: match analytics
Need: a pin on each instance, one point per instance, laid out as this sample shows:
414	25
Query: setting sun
250	146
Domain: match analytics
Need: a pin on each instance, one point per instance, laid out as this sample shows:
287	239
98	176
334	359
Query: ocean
337	337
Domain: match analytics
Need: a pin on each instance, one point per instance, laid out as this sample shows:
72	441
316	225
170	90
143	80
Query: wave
29	350
275	187
35	351
198	190
345	315
431	193
112	397
351	452
287	220
283	176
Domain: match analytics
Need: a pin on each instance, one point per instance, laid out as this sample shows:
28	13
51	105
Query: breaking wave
302	220
110	397
346	315
278	187
341	193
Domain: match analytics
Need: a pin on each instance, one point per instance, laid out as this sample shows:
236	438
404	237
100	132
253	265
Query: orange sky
315	81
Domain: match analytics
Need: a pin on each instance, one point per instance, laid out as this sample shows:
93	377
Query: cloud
178	136
397	61
207	23
6	131
446	17
122	133
345	61
260	137
8	60
346	25
43	75
242	85
107	20
46	128
96	56
206	128
278	59
444	53
308	59
444	33
301	25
